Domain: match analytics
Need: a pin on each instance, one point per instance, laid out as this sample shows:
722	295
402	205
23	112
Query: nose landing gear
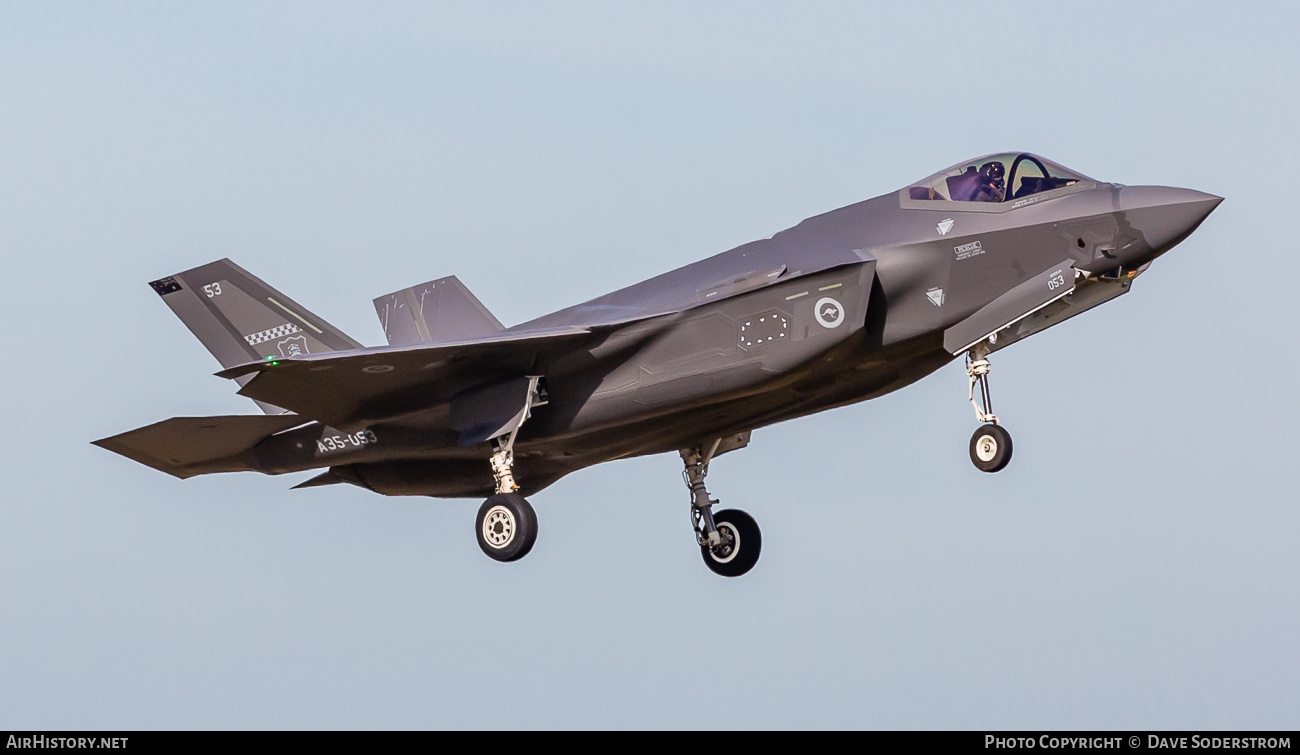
990	446
740	543
730	541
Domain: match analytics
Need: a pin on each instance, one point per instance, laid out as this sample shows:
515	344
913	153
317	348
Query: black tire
990	448
742	542
506	527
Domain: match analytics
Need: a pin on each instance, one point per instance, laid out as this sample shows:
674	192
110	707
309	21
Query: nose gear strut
697	468
990	446
729	541
977	369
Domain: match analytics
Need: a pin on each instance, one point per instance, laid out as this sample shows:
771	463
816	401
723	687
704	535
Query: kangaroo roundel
829	312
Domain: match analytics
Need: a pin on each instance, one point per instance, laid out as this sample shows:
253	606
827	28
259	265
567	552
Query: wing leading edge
355	388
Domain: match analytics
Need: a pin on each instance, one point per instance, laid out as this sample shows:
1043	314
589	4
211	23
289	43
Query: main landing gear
990	446
506	525
729	540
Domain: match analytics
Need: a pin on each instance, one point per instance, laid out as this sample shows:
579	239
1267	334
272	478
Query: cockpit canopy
995	178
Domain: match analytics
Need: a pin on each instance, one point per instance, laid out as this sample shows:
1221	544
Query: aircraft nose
1165	215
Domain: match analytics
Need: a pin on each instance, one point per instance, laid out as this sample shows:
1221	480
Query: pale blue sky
1133	568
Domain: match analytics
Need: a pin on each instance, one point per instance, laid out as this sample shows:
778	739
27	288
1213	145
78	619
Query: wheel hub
498	527
730	546
986	448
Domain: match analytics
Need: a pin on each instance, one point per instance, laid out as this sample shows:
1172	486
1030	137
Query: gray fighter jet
841	308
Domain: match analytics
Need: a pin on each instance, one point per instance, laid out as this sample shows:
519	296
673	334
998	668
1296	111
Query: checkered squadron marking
272	334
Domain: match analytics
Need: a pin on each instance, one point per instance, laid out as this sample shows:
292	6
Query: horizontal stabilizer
441	310
188	446
1011	307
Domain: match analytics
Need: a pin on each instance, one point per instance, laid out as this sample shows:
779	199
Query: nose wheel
739	546
990	446
729	540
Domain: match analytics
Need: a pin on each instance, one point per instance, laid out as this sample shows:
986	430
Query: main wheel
990	448
506	527
741	544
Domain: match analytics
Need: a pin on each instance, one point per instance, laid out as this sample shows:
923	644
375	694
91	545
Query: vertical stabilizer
240	319
437	311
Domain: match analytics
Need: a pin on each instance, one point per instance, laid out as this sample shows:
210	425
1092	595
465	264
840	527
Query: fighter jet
841	308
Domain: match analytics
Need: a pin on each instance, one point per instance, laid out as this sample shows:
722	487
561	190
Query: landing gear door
1089	293
492	410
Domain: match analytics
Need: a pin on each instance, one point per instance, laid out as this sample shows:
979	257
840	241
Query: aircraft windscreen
995	178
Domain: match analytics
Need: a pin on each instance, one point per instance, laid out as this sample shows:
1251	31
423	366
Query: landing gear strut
730	541
506	525
990	446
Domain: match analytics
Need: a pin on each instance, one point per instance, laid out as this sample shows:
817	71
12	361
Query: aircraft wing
355	388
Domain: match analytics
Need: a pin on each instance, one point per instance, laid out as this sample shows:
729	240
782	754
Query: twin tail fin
239	318
434	312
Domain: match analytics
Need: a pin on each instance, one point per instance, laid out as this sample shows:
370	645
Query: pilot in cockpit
995	178
988	184
993	187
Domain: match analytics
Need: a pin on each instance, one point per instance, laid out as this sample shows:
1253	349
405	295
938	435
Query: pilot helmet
993	171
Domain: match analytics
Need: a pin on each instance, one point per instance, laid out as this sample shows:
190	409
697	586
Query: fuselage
841	308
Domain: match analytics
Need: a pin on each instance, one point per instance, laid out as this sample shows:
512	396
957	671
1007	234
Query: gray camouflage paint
841	308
